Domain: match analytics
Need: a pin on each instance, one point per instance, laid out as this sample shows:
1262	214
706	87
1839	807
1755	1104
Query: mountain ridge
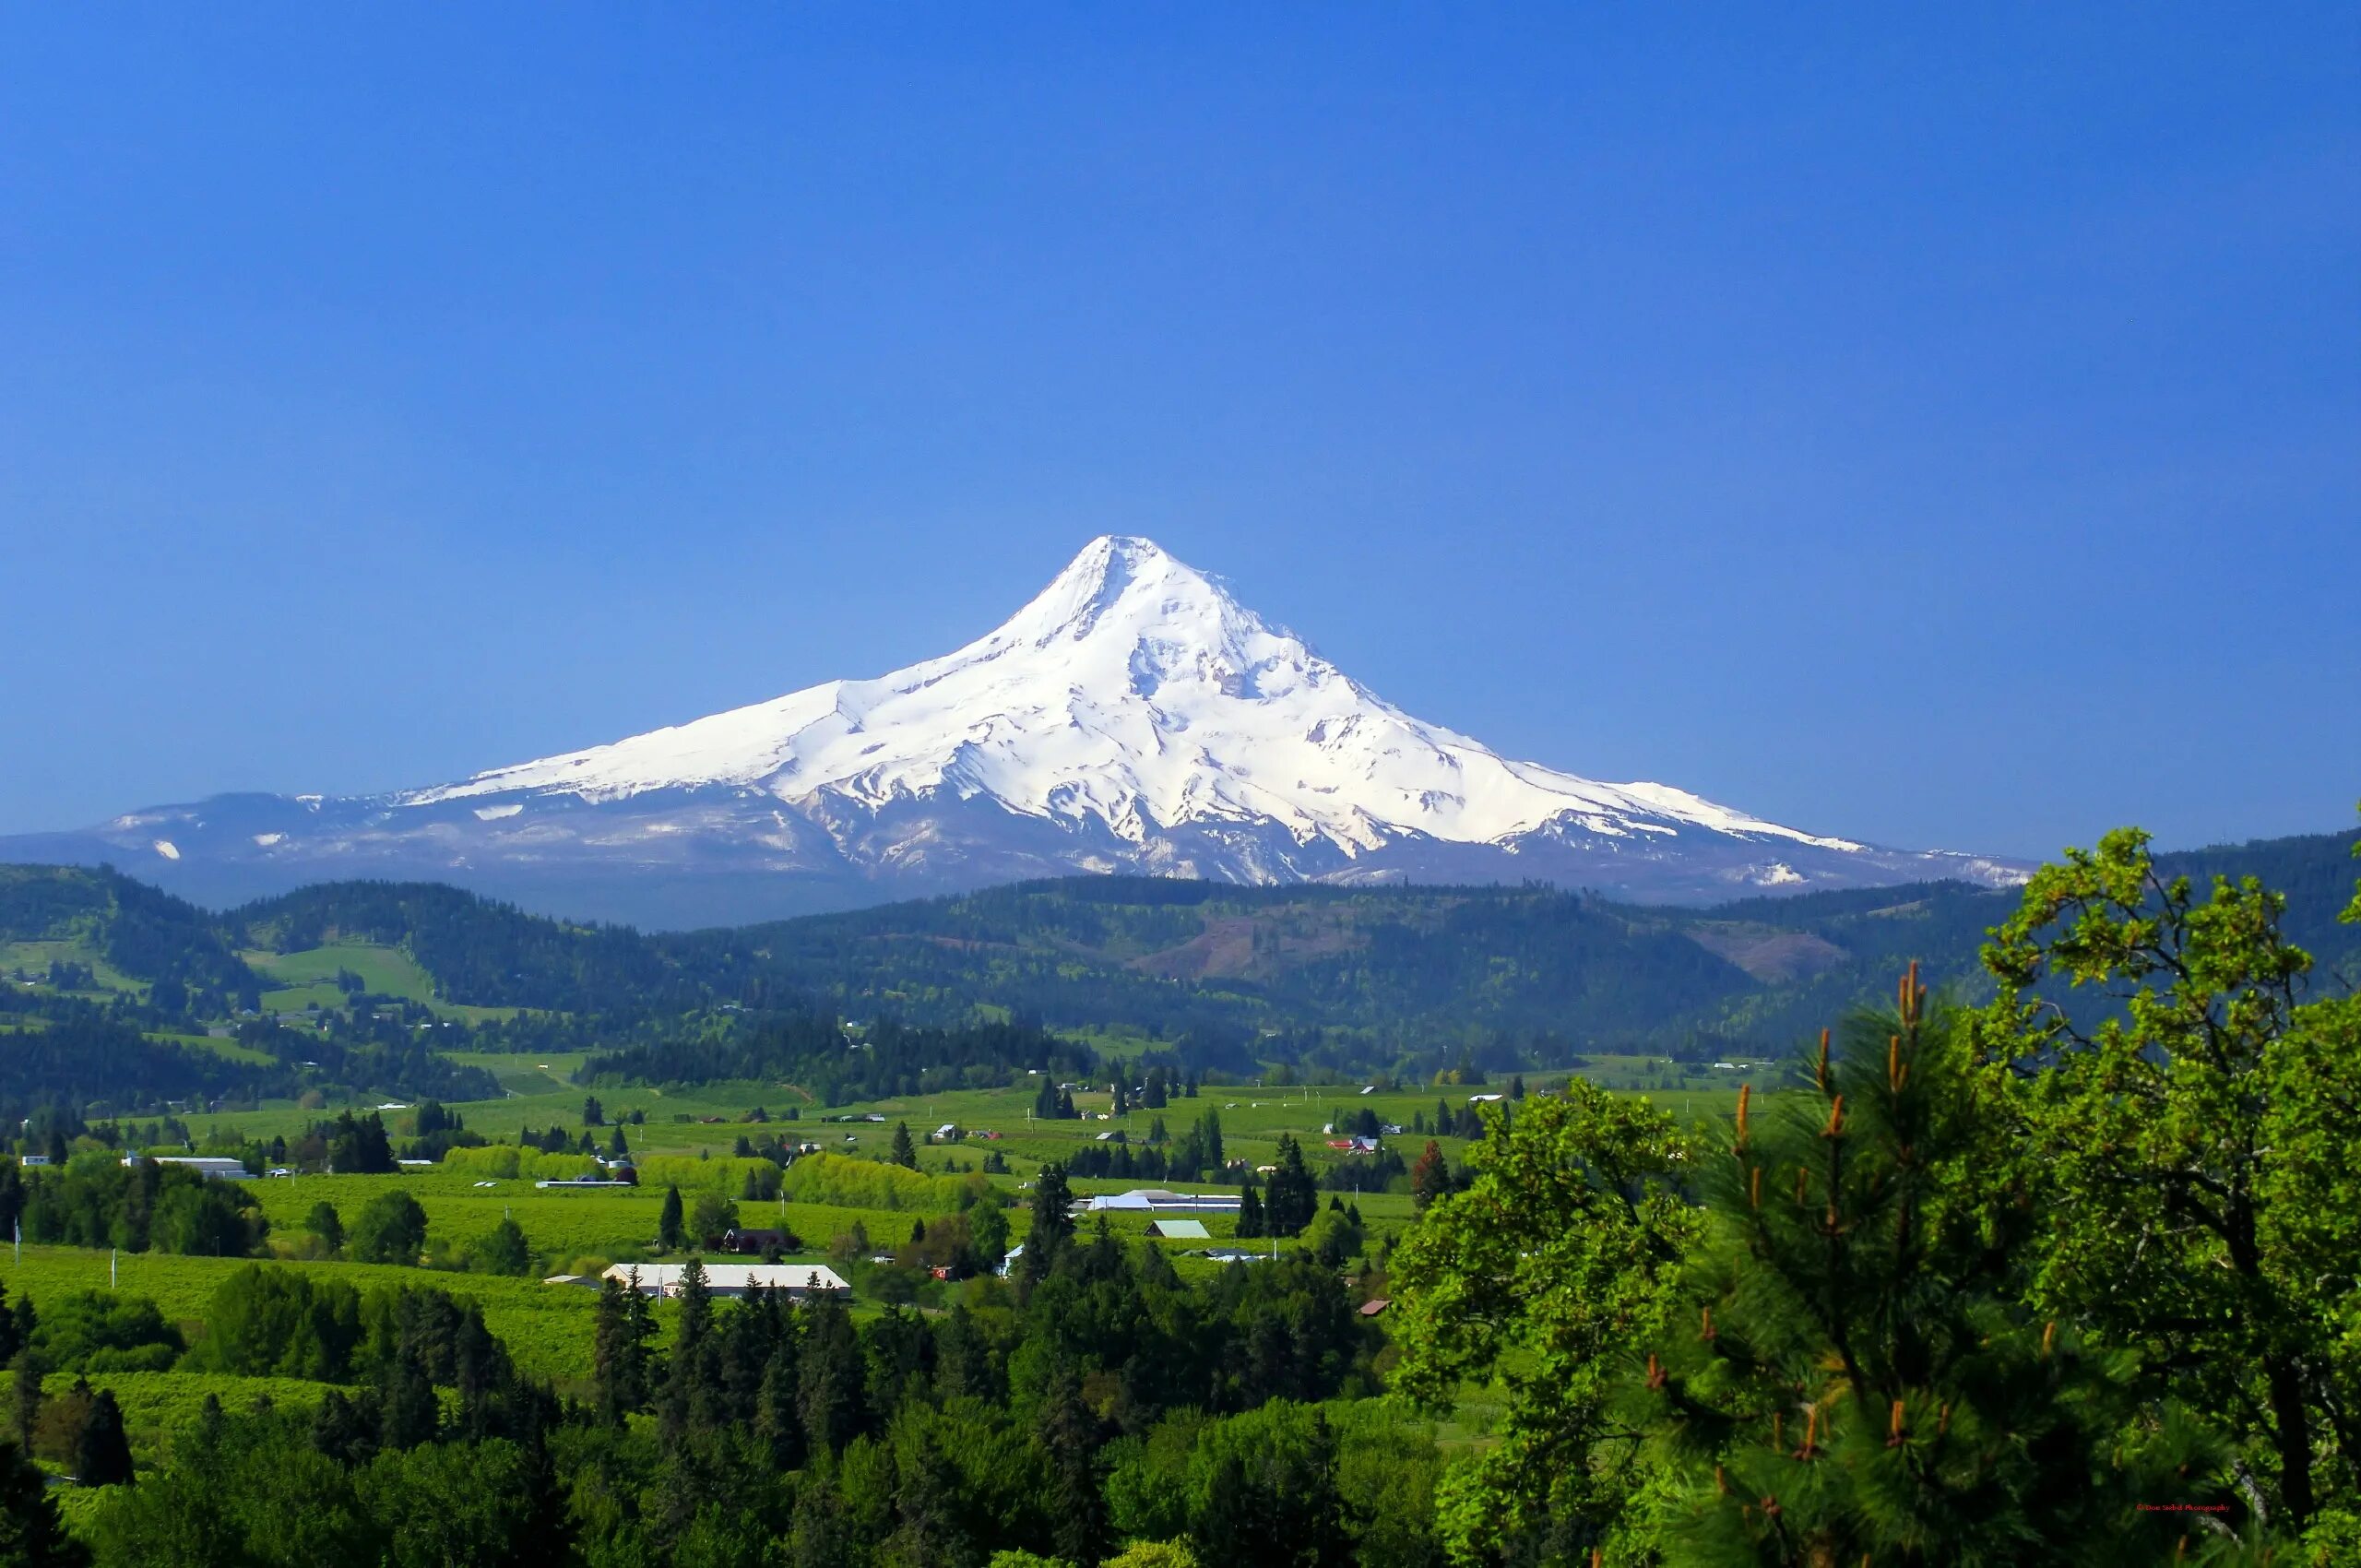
1307	972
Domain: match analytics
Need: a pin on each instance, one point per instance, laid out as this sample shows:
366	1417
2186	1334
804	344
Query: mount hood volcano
1133	717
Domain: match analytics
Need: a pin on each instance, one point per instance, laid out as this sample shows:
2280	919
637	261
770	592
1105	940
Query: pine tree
26	1369
668	1223
1209	1139
1070	1434
620	1333
1053	1222
101	1451
32	1534
905	1154
689	1371
1250	1211
776	1420
1858	1379
829	1377
1430	1177
1294	1195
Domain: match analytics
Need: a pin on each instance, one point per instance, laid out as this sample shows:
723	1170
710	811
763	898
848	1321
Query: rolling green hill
1305	973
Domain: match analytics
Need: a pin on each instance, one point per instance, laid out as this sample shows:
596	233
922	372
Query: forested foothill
2044	1255
1213	977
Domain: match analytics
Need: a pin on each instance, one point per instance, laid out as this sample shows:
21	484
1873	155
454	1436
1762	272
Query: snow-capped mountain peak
1136	692
1132	716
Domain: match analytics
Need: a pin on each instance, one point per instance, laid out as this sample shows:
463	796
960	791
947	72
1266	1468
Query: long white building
799	1280
1157	1200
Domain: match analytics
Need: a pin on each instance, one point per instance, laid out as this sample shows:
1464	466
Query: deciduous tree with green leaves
1557	1259
2189	1107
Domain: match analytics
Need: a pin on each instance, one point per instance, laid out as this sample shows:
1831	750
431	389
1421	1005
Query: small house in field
1179	1230
801	1281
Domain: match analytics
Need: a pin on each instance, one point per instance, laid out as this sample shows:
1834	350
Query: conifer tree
1209	1139
689	1369
26	1369
905	1154
829	1377
1294	1196
31	1533
1070	1435
1053	1221
776	1420
1852	1376
102	1450
620	1333
668	1222
1250	1210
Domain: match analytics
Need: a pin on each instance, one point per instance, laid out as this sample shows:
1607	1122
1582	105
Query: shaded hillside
1324	973
101	918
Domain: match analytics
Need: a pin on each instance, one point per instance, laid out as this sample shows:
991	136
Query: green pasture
308	978
158	1405
35	957
547	1328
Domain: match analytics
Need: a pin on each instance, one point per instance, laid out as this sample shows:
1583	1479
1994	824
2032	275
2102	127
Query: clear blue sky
1941	429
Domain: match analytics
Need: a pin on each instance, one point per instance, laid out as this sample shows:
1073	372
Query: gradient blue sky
1944	429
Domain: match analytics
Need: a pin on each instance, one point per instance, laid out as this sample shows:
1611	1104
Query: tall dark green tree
1068	1434
1293	1195
904	1155
668	1221
26	1369
101	1448
1052	1216
690	1369
32	1534
831	1377
621	1367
